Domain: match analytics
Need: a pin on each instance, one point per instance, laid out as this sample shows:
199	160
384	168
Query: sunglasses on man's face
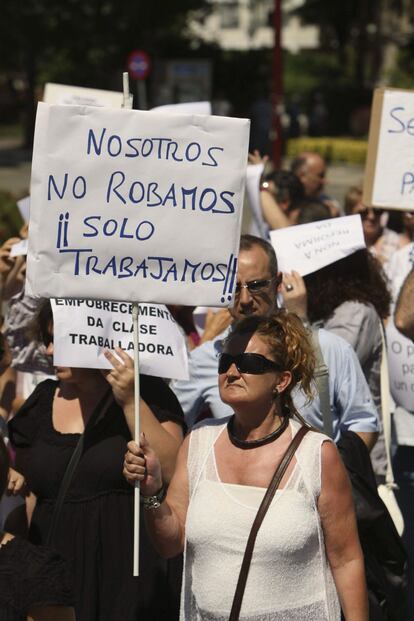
253	286
255	364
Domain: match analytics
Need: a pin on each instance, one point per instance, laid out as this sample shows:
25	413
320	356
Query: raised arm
336	509
165	437
166	524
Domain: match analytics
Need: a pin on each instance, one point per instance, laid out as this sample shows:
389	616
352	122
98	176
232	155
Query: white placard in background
306	248
63	94
83	329
136	206
19	249
24	207
389	177
401	366
258	226
191	107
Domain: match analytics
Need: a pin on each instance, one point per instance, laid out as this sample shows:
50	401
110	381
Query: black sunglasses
254	286
255	364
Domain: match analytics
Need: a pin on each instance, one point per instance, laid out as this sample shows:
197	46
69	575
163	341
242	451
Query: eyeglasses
253	286
255	364
364	213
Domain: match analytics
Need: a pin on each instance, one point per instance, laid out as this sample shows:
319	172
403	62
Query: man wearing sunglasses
258	282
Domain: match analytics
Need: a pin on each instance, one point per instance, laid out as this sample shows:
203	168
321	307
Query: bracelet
153	502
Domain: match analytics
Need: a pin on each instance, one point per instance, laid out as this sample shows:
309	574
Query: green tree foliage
84	42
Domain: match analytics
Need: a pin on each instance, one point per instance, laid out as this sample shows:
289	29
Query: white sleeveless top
289	577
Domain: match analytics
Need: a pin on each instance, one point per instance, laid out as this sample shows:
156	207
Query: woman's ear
283	381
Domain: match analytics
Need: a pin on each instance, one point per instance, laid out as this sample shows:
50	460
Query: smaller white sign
79	96
401	367
192	107
24	207
258	226
306	248
84	329
19	249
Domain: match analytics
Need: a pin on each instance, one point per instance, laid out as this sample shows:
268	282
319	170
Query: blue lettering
210	271
220	267
52	181
133	198
142	267
173	146
408	179
83	190
213	161
191	192
110	266
170	196
125	264
86	222
172	270
119	143
130	142
144	237
194	267
92	139
91	263
198	151
77	252
223	196
397	131
111	189
213	202
143	148
152	187
109	230
122	231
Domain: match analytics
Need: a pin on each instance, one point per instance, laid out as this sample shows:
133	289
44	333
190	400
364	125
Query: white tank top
289	577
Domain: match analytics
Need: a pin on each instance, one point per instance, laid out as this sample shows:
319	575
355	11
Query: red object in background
277	90
139	64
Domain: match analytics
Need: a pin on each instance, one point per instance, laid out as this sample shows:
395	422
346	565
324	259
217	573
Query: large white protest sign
63	94
389	174
136	206
83	329
401	367
309	247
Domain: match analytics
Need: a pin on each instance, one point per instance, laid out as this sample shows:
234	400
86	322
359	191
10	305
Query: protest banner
63	94
24	208
83	329
389	172
309	247
258	226
136	206
401	367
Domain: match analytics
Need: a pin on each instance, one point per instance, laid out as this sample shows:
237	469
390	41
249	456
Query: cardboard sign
136	206
79	96
83	329
309	247
401	367
191	107
389	173
24	207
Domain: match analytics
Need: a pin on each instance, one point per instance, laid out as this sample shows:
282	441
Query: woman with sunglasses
306	562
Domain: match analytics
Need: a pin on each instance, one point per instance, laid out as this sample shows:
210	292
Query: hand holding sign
121	378
142	464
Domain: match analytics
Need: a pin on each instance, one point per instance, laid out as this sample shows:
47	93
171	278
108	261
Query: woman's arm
165	438
166	524
51	613
336	509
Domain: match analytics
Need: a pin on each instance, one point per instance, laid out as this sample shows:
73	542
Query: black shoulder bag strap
100	410
267	499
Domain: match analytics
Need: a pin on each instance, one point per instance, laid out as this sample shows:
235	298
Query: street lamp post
277	94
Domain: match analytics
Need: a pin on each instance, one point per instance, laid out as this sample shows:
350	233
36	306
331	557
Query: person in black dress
95	528
34	581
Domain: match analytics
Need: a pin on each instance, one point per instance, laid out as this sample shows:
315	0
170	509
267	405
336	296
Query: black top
31	576
95	530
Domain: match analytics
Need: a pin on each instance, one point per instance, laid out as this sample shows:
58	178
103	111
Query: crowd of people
254	449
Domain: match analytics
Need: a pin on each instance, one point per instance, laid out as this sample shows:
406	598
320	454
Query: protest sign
191	107
80	96
83	329
389	172
401	367
19	249
136	206
309	247
24	207
258	226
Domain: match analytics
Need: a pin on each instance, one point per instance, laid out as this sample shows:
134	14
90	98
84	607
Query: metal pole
137	506
277	94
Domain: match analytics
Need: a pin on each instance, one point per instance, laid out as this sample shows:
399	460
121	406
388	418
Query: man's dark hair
312	211
297	164
288	186
249	241
4	466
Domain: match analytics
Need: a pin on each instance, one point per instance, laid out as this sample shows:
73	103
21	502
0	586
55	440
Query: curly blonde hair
290	346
